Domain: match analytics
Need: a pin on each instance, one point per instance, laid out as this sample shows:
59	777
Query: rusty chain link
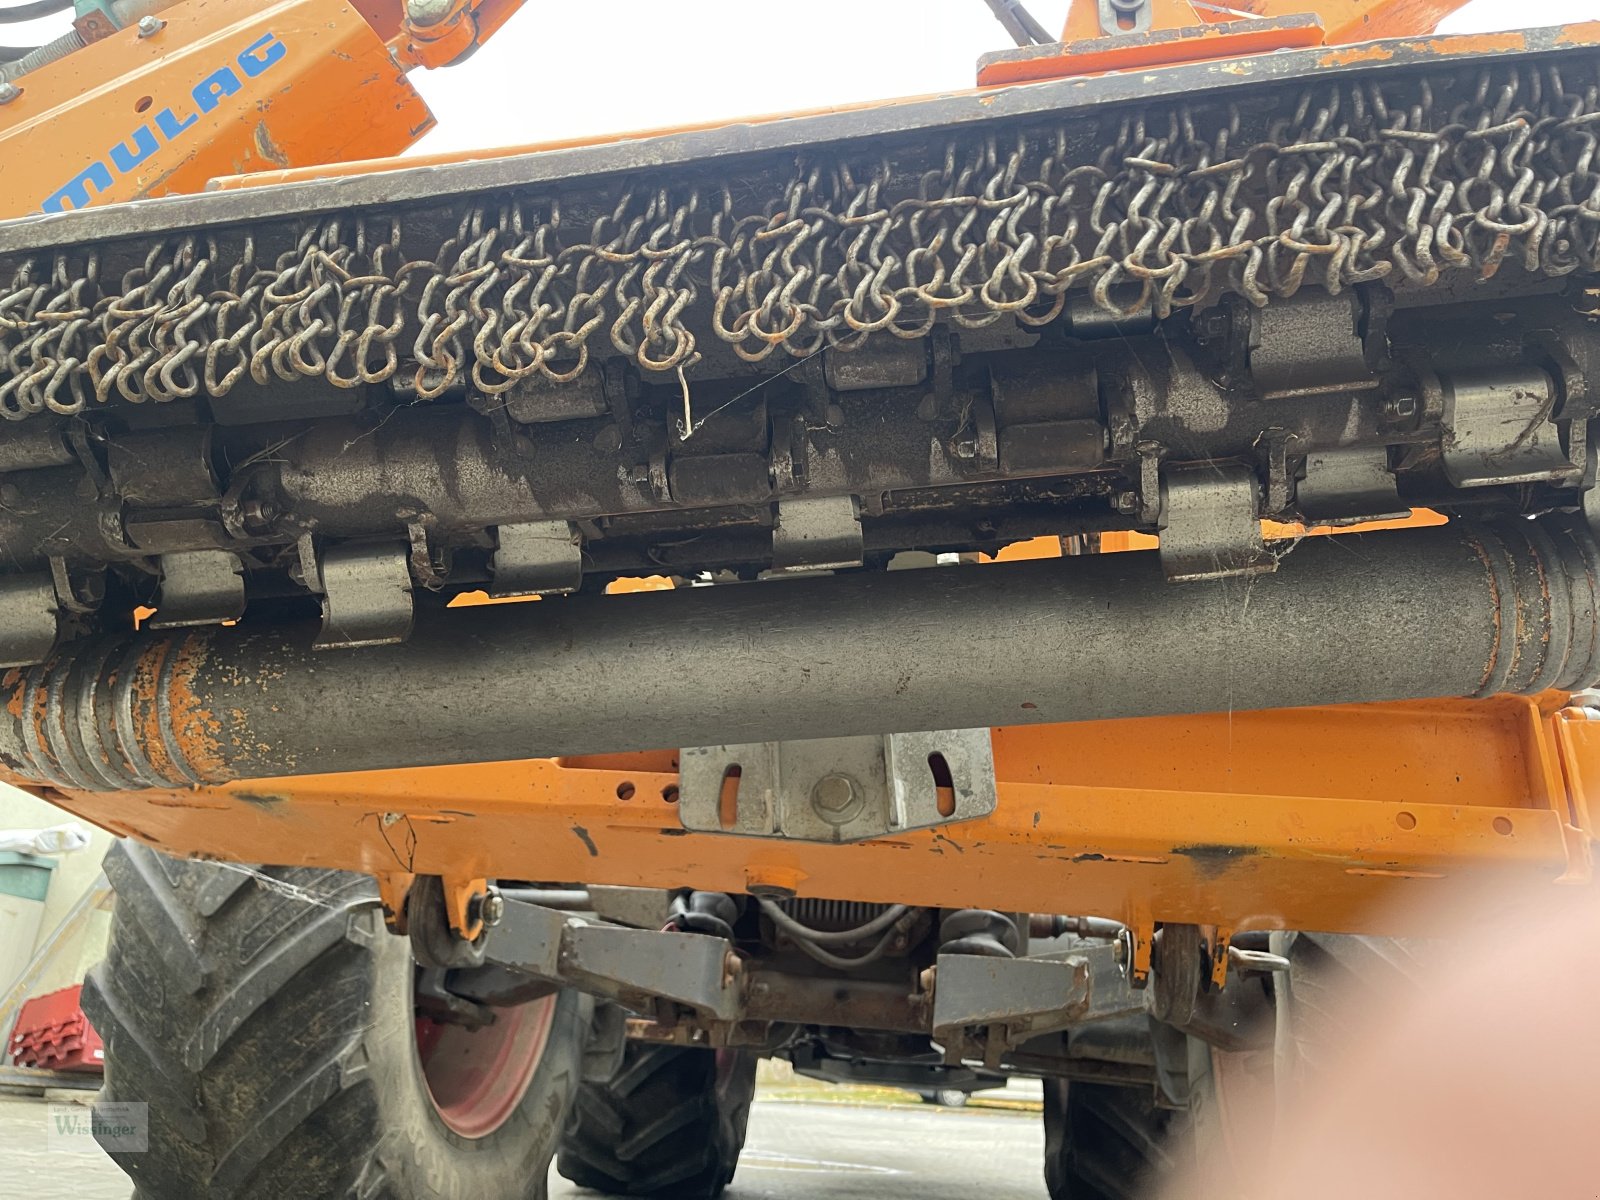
1355	182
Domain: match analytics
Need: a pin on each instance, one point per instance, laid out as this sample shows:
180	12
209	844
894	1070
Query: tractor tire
669	1123
269	1022
1334	984
1108	1142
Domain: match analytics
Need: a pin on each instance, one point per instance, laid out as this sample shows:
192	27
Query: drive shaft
1453	611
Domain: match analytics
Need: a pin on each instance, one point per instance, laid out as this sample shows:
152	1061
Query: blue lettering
261	54
127	155
208	93
76	193
170	126
144	145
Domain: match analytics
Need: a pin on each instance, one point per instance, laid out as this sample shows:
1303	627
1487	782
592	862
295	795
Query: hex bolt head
494	908
150	26
833	794
9	92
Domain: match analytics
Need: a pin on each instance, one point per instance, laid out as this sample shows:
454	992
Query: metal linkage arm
634	966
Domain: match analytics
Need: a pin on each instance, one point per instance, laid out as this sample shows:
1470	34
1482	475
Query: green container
26	876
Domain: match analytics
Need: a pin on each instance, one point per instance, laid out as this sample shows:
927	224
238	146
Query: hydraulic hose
1458	610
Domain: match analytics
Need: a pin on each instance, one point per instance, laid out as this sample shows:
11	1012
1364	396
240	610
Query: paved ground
796	1151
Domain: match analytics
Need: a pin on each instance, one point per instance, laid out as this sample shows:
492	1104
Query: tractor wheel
1107	1142
670	1122
1335	982
269	1021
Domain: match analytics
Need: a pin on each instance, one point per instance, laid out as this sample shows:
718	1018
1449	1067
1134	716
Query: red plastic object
52	1034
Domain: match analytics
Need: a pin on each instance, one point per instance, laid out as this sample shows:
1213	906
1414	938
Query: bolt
1400	408
9	92
486	907
965	447
150	26
258	515
833	794
1127	502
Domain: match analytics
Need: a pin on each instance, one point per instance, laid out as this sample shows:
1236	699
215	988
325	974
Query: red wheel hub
477	1077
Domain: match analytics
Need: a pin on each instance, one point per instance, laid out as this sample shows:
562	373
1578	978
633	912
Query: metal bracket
1028	996
199	587
632	965
95	20
1211	526
1112	13
366	595
1310	346
1342	487
820	533
1498	429
28	619
844	789
537	558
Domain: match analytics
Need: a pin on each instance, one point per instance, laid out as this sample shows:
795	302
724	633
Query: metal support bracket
1498	429
1310	345
821	533
366	595
1113	13
1211	524
636	966
844	789
1028	996
537	558
1343	487
199	587
28	619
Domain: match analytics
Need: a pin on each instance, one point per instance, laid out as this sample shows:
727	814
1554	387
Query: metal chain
1355	182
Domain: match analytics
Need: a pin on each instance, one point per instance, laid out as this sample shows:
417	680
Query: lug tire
267	1019
669	1123
1334	982
1106	1142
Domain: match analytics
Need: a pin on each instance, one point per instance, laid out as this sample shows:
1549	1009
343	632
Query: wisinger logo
256	59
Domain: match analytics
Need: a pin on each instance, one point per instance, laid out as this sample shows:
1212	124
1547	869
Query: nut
486	907
833	794
9	92
1400	408
150	26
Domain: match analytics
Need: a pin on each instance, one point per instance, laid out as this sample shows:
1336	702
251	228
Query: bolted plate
844	789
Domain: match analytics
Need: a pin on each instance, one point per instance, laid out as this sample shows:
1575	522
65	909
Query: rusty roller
1452	611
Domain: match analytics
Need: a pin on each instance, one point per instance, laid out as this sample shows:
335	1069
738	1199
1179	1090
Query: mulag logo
167	126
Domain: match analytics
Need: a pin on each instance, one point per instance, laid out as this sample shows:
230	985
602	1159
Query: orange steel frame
1373	818
1331	818
223	88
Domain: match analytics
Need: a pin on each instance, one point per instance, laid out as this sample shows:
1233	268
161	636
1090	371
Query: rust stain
12	682
195	729
267	148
